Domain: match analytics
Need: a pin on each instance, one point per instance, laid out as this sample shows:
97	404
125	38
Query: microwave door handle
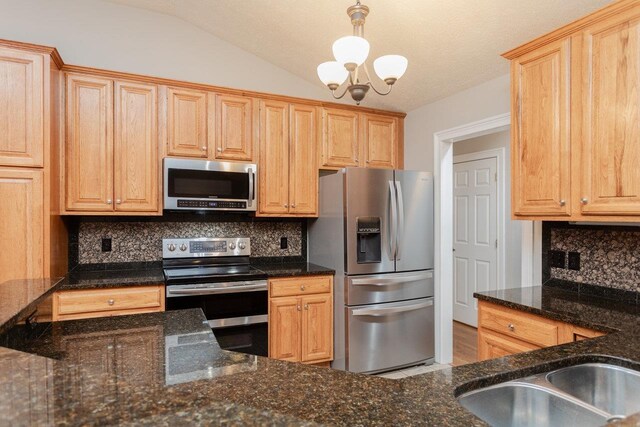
251	189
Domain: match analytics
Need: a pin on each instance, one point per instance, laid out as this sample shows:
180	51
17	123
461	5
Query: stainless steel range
214	274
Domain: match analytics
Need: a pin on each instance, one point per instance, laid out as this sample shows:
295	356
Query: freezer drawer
390	287
384	336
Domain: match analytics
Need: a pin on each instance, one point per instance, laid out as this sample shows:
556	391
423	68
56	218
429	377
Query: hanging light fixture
350	66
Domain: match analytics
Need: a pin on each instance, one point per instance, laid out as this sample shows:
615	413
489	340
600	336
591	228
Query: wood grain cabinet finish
541	164
303	172
234	137
21	108
301	319
610	121
380	138
492	345
89	145
22	224
136	148
187	123
340	138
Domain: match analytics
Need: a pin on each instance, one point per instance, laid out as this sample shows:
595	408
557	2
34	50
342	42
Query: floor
465	347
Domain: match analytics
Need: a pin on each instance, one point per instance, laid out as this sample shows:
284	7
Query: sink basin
611	388
525	404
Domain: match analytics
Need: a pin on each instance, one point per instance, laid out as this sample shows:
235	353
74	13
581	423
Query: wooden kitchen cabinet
576	120
187	123
340	138
288	173
234	128
301	319
504	331
21	108
380	139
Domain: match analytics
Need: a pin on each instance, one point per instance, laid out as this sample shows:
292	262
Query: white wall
513	229
105	35
479	102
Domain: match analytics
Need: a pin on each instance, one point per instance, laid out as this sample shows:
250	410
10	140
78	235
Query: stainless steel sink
586	395
613	389
523	404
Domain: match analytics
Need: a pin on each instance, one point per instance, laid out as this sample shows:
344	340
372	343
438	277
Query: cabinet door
21	108
273	193
284	329
380	139
21	224
340	147
89	147
234	124
492	345
303	180
187	123
610	117
540	154
136	147
317	328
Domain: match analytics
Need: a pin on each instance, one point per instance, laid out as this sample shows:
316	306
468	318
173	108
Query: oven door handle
251	186
210	291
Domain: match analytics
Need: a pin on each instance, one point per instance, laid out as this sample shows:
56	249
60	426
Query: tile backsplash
609	255
142	241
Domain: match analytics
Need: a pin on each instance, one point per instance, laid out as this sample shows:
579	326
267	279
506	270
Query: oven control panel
206	247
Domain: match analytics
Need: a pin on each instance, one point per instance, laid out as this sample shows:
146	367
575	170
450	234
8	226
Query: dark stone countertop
18	298
119	371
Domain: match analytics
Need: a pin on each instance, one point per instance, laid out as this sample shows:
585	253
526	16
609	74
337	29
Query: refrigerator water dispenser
369	244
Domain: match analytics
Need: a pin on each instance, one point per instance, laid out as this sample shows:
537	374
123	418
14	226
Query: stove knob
172	247
242	246
232	246
183	247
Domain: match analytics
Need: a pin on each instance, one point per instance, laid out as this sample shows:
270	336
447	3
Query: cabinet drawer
524	326
300	286
106	302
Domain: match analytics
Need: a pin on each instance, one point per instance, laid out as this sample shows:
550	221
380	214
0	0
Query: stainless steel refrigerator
375	228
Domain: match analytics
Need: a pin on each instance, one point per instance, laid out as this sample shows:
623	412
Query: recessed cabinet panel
21	108
317	327
340	142
303	181
541	131
284	329
187	123
89	145
136	148
380	141
274	158
611	120
234	136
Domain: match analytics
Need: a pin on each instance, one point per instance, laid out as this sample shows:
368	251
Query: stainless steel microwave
205	185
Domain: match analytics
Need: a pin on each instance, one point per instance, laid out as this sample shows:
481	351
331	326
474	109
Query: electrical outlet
557	259
574	260
106	244
284	243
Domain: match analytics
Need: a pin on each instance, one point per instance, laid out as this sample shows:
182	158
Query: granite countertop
119	371
20	297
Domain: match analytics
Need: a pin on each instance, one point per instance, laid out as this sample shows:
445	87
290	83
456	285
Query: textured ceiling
451	44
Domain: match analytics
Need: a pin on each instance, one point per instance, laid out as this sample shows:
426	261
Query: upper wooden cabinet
540	155
340	138
575	120
187	123
288	172
234	128
380	138
107	173
21	108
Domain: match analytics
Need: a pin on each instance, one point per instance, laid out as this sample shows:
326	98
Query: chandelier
351	52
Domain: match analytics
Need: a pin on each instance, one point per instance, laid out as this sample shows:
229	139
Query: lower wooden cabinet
84	304
503	331
301	319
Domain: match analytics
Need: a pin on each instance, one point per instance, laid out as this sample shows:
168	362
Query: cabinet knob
204	148
286	205
109	201
299	308
302	288
511	327
293	205
111	302
118	201
368	161
219	150
356	159
584	200
306	306
563	202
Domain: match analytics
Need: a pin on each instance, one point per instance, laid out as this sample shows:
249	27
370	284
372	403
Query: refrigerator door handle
400	231
389	311
393	243
389	281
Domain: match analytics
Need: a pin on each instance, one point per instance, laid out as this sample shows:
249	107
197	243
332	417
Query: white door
475	239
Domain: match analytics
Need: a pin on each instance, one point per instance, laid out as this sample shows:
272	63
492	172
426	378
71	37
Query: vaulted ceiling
451	44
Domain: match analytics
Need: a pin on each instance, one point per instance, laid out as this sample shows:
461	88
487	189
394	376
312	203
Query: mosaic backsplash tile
142	241
609	256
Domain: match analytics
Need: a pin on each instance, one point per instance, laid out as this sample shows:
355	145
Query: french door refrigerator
375	228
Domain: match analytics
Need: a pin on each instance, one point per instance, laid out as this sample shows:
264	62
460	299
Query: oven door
238	319
205	185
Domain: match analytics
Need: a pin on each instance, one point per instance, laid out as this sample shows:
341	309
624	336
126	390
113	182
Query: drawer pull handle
302	288
511	327
111	302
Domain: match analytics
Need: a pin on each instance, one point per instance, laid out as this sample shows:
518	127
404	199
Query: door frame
499	154
443	269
